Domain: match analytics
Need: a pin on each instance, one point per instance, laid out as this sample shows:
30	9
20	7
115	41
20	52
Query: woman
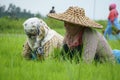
112	20
82	37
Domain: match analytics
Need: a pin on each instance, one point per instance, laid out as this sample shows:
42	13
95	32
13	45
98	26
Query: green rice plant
14	66
52	23
103	23
115	44
8	25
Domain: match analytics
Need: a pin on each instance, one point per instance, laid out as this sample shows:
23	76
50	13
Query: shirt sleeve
89	45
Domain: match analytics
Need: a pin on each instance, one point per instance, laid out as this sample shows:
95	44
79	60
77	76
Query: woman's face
70	25
66	24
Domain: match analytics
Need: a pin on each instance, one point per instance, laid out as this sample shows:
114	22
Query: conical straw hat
75	15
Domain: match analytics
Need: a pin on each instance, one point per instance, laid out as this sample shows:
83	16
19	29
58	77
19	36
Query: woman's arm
90	42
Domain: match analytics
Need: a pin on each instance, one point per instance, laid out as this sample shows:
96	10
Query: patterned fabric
27	51
55	42
39	35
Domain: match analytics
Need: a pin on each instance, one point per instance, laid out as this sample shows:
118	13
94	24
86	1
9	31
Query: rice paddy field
14	67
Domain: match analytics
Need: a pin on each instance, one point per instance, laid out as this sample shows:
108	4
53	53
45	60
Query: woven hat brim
84	21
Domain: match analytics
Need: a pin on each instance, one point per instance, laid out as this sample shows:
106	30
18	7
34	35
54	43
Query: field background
14	67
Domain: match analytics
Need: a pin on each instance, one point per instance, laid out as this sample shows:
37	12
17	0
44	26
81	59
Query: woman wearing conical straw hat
82	37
